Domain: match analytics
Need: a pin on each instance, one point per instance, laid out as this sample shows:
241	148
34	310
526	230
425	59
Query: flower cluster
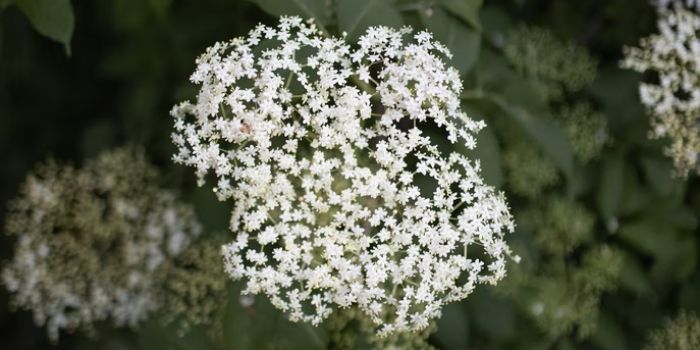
342	198
528	172
554	70
92	242
673	99
194	289
586	129
552	66
682	333
563	296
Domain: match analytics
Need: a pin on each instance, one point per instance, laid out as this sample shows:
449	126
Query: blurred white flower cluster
673	98
663	5
92	243
342	196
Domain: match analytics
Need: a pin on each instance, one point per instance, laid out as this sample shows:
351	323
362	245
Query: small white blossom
93	242
674	99
321	147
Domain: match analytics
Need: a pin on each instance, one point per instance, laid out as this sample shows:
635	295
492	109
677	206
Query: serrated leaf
545	133
51	18
463	41
354	16
315	9
467	10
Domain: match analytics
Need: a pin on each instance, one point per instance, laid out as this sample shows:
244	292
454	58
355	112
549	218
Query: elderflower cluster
92	242
194	289
552	66
673	99
563	296
342	198
680	333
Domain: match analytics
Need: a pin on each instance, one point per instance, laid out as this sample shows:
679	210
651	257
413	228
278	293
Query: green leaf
467	10
545	133
688	295
633	277
657	172
617	89
487	310
315	9
650	237
495	20
453	328
678	262
261	326
611	188
5	3
153	335
51	18
354	16
160	7
463	42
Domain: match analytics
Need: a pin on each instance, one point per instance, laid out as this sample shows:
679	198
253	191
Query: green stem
362	85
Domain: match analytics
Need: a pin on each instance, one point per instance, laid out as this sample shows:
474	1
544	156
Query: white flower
674	101
341	197
93	242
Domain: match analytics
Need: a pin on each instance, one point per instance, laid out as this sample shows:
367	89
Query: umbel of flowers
342	198
94	243
673	100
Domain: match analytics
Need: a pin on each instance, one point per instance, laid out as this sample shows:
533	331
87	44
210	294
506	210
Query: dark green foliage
52	18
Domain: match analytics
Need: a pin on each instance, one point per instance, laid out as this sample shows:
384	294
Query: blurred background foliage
609	238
